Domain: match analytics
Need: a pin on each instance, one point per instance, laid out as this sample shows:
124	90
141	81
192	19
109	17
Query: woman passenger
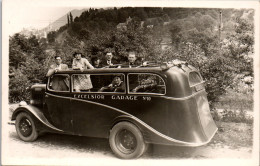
81	82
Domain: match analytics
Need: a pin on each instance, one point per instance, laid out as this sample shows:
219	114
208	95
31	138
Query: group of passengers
83	81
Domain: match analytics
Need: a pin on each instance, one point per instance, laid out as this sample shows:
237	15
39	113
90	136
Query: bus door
58	102
92	104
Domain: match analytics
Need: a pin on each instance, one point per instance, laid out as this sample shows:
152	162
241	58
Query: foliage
219	62
193	34
237	116
240	46
26	65
18	84
16	45
51	36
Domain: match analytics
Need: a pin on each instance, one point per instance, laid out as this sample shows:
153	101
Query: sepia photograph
130	83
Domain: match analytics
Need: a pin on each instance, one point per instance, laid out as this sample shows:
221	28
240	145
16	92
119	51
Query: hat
118	75
57	57
109	53
76	52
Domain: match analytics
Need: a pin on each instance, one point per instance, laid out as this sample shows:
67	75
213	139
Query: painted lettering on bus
115	97
81	96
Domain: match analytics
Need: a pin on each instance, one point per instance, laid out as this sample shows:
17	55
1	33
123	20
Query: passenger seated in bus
117	85
146	85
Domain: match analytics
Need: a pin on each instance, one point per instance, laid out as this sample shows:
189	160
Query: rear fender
135	121
153	136
36	112
124	118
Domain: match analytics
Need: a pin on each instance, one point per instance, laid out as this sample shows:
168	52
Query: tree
166	18
16	52
208	22
71	18
76	19
122	15
27	66
140	13
51	36
76	27
68	18
176	35
239	45
204	40
18	84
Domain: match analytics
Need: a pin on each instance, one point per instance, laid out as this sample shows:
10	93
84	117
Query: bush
234	101
227	115
18	87
27	66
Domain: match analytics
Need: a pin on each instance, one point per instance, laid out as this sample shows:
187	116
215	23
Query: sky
19	14
36	17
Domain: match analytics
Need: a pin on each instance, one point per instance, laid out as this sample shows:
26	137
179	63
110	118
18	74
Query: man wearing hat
108	60
59	82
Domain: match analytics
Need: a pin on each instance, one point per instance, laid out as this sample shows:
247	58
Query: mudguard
37	113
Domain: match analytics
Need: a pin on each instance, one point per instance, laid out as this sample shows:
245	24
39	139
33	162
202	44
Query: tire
126	141
25	127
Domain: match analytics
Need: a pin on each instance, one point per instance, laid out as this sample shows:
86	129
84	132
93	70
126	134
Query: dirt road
66	146
232	141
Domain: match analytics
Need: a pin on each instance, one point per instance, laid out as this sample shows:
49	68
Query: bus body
155	106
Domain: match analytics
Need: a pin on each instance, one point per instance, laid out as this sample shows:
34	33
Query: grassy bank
234	107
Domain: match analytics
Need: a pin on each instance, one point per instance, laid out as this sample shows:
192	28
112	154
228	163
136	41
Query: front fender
37	113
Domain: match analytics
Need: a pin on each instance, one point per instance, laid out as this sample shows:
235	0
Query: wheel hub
126	141
25	127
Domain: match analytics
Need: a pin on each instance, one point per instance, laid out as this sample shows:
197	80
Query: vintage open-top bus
164	104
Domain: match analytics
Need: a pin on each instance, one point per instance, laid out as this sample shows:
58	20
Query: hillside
63	20
160	19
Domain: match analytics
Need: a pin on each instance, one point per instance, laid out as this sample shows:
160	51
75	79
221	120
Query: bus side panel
183	121
92	119
149	109
95	119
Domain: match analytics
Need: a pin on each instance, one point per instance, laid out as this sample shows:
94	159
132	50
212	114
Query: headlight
22	103
31	102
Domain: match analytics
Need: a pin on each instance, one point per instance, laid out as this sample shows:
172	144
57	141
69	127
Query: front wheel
25	127
126	141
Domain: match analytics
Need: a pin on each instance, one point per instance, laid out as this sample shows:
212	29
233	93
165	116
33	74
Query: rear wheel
25	127
126	141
